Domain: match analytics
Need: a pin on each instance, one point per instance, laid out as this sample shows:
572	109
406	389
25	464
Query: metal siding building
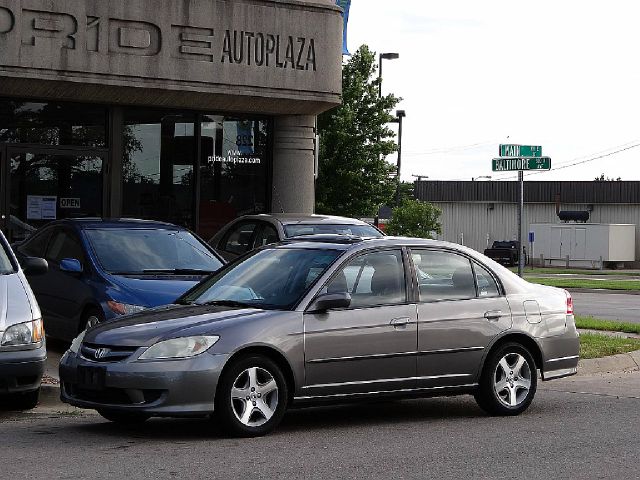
477	213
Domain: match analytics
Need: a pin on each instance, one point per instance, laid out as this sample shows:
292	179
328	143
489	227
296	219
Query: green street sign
520	151
516	164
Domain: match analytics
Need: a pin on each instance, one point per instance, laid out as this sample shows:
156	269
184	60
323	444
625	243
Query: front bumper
181	387
21	370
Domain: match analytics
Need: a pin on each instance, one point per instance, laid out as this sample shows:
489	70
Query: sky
563	74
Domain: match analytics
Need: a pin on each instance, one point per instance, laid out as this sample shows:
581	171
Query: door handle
493	315
400	322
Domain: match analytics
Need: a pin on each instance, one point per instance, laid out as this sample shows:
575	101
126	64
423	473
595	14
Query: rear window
297	230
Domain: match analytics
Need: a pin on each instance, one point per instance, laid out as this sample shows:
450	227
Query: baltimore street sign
515	164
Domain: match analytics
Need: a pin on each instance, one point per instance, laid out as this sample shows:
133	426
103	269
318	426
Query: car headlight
124	308
184	347
23	334
75	345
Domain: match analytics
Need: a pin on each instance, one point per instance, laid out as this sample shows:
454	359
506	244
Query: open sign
70	203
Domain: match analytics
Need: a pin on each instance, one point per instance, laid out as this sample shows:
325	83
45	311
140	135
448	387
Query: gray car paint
339	353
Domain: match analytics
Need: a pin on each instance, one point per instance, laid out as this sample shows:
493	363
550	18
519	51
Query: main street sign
520	151
515	164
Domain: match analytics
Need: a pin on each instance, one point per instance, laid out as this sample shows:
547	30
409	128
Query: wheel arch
271	353
516	337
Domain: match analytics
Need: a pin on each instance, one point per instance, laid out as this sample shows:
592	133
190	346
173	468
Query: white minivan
22	341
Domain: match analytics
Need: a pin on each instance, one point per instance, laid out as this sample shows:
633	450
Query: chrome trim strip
403	390
563	372
573	357
361	357
451	350
370	382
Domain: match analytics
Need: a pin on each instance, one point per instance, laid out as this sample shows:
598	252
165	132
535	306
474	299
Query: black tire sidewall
487	397
223	408
90	312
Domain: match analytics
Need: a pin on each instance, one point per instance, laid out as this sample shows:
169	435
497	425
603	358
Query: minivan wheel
91	318
123	418
508	382
252	397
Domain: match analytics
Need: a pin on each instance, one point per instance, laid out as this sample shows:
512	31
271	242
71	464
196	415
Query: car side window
372	279
35	246
487	286
443	275
267	236
238	240
64	245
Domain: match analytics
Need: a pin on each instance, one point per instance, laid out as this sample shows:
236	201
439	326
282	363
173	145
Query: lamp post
400	114
384	56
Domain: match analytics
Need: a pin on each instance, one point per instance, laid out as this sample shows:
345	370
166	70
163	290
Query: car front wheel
252	397
508	382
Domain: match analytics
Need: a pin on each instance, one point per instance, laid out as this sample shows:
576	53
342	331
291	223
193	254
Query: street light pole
400	114
384	56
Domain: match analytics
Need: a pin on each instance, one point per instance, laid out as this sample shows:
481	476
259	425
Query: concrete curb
622	363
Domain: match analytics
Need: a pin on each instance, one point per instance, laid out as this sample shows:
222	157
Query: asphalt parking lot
609	306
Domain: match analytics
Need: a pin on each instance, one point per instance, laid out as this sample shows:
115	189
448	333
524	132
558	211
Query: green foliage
415	219
354	178
591	323
596	346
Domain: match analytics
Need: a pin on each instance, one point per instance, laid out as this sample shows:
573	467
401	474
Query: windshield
297	230
140	251
270	279
6	267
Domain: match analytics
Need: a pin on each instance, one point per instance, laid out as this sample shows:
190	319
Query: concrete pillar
293	188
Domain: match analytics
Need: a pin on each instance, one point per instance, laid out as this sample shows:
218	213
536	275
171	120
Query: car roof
303	218
92	223
347	242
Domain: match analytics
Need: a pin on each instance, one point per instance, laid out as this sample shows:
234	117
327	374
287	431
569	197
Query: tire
25	401
123	418
504	388
256	383
90	318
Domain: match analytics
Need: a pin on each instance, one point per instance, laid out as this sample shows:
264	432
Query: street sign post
514	164
518	158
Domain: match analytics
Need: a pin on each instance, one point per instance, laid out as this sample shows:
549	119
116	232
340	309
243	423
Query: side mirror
329	301
70	265
34	266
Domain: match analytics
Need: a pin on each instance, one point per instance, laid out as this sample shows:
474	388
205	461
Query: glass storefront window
46	186
233	170
158	165
53	123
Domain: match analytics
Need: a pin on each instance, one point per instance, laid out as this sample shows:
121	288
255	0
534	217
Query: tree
354	178
415	219
602	178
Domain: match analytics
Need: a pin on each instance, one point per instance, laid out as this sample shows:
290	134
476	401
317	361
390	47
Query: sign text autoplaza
144	38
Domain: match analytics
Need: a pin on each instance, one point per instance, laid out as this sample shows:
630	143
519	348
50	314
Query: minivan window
6	267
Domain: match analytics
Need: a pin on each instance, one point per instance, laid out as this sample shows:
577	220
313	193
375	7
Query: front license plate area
92	378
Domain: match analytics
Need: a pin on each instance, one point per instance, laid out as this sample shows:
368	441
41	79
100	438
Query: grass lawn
596	346
627	285
575	271
610	325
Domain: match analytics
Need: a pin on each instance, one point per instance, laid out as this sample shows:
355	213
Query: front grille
113	396
106	353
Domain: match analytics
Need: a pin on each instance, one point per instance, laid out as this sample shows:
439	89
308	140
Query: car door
62	295
370	346
462	308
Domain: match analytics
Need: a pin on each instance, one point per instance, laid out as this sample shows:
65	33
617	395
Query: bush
415	219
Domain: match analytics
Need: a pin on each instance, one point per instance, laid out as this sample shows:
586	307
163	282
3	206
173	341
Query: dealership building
188	111
583	223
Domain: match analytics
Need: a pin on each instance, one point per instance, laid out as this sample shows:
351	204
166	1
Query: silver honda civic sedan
328	318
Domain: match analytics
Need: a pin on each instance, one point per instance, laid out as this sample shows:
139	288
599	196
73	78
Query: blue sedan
104	269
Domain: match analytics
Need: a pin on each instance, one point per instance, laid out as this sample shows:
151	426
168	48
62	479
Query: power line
451	149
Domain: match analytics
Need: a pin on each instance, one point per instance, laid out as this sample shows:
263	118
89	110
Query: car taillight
569	303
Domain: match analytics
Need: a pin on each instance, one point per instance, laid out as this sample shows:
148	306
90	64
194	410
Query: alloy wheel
512	379
254	397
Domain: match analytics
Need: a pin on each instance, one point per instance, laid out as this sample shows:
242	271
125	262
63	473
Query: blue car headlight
124	308
184	347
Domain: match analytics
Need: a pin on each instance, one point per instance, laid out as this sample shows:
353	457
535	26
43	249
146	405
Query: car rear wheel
252	397
123	418
508	382
91	318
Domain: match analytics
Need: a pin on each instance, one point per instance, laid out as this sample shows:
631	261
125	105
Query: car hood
151	326
153	290
15	301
